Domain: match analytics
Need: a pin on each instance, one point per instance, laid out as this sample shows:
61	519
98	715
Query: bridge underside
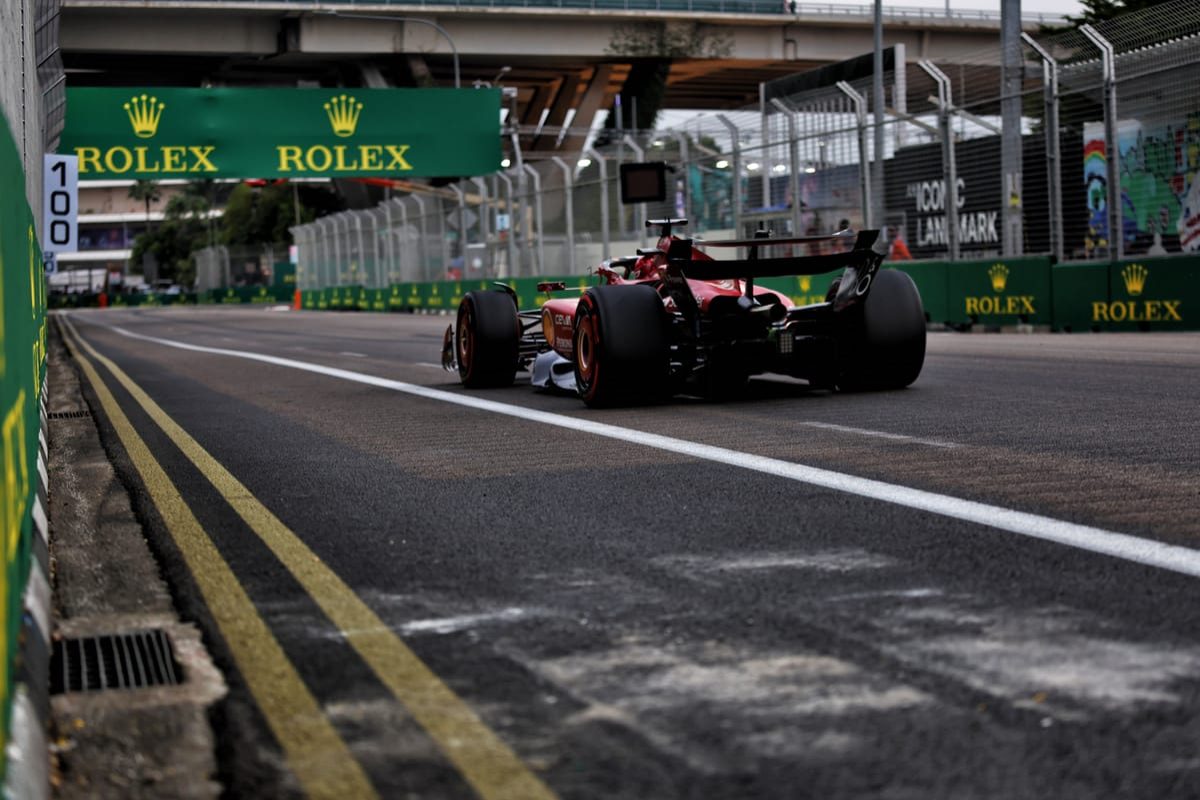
564	68
550	91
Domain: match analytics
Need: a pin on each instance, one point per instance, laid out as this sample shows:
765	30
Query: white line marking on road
1118	545
352	355
430	365
455	624
899	437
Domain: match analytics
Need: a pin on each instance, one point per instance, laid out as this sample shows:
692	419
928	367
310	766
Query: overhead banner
152	134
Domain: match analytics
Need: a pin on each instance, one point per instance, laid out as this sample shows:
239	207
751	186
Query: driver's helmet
646	267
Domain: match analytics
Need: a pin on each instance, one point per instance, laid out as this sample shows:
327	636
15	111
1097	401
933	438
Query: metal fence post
569	206
388	238
337	219
463	236
538	219
426	266
322	241
685	160
1012	68
485	226
396	269
357	216
329	243
949	167
736	167
377	247
510	242
793	162
1053	145
606	251
1112	145
864	163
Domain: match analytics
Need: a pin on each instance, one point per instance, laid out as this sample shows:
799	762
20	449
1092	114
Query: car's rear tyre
886	350
487	338
621	346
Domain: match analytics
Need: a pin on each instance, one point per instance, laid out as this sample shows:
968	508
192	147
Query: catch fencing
1086	150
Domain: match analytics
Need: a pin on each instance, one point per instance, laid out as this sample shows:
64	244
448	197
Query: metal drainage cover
117	661
69	414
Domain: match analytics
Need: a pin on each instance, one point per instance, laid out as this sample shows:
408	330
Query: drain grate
69	414
117	661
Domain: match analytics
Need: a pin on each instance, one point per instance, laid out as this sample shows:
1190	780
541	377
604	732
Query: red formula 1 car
673	319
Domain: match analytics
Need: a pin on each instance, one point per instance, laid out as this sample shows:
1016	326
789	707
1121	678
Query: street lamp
434	25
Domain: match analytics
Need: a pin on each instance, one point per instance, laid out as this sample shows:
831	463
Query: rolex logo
1135	276
999	275
343	114
144	113
805	283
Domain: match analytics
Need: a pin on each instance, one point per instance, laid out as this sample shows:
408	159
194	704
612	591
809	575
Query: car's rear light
786	343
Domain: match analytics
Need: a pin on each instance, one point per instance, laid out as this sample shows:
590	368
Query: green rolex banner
282	133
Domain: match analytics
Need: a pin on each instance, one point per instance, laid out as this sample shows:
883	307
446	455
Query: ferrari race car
673	319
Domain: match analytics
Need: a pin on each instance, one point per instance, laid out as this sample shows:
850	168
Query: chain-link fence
1084	145
222	266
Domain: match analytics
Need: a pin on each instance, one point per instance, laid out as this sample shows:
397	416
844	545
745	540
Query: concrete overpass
565	63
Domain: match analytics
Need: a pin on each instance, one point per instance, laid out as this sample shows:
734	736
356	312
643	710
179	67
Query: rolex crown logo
1135	276
343	114
144	113
999	275
805	283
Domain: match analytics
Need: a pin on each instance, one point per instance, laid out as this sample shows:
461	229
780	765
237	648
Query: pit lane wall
24	591
1147	294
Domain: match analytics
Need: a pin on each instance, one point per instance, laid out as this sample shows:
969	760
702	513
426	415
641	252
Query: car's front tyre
487	339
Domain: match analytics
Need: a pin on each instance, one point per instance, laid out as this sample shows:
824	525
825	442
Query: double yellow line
317	755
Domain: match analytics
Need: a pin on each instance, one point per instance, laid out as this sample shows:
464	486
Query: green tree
147	192
1100	10
183	230
265	214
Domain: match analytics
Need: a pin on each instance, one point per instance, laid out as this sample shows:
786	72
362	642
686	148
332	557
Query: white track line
899	437
1096	540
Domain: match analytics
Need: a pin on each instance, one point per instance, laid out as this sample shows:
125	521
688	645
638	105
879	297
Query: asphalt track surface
629	621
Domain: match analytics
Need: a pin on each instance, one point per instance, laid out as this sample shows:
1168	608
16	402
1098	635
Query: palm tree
147	192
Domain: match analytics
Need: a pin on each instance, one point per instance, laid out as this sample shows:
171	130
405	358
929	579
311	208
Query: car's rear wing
860	255
859	265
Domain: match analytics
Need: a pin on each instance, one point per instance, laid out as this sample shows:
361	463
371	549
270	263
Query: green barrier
1151	294
376	299
933	282
237	295
1076	288
413	296
283	275
438	298
345	298
1000	291
74	300
22	369
1147	294
804	290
